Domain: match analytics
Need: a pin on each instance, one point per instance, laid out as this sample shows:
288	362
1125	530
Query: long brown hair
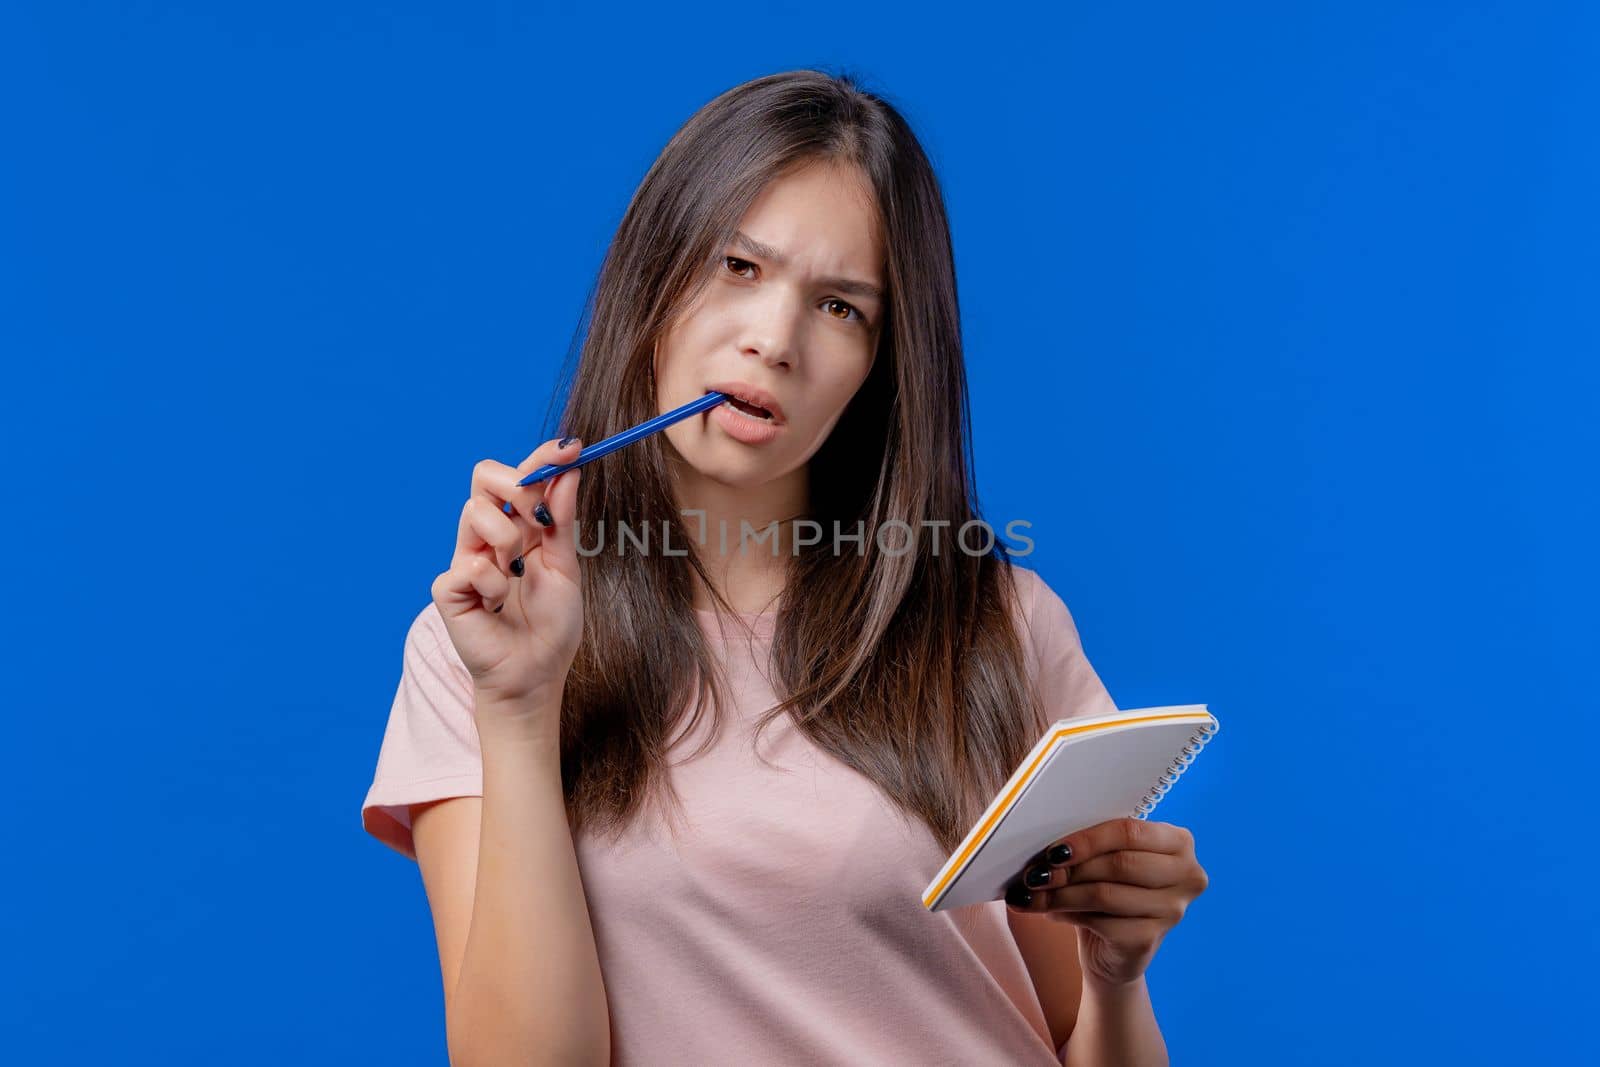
906	667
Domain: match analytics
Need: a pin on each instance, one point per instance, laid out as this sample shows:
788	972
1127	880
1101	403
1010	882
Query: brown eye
735	259
847	308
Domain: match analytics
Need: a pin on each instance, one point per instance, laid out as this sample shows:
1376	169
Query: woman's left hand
1122	883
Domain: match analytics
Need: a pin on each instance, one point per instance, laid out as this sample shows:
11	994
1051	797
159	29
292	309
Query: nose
771	332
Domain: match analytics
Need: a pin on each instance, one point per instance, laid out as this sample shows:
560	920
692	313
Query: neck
753	580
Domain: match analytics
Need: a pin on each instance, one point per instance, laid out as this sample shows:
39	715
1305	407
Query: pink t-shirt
785	923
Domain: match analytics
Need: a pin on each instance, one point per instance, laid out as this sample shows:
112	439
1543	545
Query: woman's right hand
517	633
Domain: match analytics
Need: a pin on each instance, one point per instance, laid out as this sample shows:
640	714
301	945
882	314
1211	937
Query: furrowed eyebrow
766	251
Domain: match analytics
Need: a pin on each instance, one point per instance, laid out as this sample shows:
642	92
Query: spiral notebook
1082	772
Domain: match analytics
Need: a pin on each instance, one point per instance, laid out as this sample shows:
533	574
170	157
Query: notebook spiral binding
1175	771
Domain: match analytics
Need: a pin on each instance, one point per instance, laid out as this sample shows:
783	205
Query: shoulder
1044	621
1056	661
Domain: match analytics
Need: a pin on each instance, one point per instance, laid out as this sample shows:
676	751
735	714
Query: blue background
1281	330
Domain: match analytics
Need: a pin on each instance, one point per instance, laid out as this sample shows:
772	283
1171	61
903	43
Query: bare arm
1050	950
522	980
1119	887
1091	1023
1116	1024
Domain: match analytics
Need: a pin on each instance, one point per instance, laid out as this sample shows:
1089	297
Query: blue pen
627	437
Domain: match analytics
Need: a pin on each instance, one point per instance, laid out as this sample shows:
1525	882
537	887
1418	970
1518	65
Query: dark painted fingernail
1059	854
565	441
1018	897
542	513
497	610
1038	877
516	567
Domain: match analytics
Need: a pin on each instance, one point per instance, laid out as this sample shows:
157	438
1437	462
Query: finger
1056	854
1042	875
1133	834
472	582
560	540
487	531
527	498
1114	898
490	482
1020	898
1153	870
496	484
1115	928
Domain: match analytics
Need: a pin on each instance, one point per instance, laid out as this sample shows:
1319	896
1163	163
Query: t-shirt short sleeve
1068	683
430	746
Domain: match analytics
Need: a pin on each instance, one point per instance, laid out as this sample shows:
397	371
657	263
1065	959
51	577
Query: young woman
684	733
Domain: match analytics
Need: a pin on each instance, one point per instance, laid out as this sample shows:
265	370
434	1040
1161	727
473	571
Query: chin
722	460
738	472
